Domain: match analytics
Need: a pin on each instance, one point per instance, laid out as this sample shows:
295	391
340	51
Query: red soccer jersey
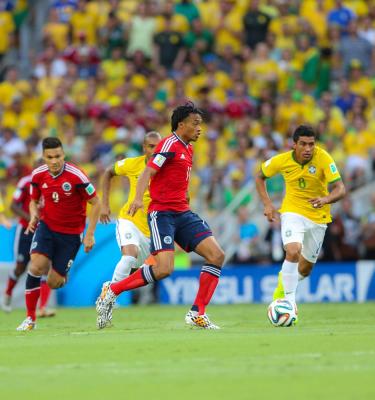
21	196
64	197
173	160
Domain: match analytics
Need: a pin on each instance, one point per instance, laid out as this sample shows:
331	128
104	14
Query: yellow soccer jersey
2	208
304	182
132	169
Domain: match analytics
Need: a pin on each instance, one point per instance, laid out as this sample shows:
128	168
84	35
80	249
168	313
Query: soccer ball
282	312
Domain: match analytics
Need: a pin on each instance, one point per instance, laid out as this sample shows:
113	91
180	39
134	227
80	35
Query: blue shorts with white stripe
186	228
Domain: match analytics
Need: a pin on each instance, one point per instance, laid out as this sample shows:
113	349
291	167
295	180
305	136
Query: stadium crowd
112	70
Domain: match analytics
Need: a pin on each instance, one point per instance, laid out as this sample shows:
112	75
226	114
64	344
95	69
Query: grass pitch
150	354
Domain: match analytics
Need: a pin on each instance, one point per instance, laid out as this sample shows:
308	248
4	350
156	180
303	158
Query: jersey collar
62	170
185	144
301	164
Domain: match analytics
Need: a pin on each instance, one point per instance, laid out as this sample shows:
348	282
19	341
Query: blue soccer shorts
186	228
60	248
22	245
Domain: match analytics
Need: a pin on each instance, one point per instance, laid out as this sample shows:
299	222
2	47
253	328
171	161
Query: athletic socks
143	276
32	293
123	268
45	292
12	280
290	279
208	280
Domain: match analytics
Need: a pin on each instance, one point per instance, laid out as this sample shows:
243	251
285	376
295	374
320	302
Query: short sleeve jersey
304	182
21	196
132	168
63	197
173	160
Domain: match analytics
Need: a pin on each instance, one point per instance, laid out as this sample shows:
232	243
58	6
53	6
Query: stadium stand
99	74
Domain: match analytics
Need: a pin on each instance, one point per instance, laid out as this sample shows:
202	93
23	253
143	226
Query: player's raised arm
337	193
34	216
269	209
105	211
142	185
89	240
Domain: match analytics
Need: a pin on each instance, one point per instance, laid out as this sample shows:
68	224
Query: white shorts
296	228
127	233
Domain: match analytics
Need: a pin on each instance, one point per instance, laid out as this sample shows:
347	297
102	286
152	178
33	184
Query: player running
171	220
305	210
22	243
132	232
58	225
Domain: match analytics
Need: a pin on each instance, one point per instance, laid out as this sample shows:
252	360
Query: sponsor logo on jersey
159	160
44	186
90	189
128	235
333	168
312	169
183	156
167	240
66	187
33	245
288	233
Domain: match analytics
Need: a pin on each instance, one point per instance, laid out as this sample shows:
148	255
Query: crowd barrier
329	282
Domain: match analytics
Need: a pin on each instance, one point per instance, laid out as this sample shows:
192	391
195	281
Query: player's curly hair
303	130
182	112
51	143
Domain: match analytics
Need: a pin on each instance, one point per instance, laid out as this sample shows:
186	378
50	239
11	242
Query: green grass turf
150	354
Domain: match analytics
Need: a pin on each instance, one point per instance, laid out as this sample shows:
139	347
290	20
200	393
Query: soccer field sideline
149	353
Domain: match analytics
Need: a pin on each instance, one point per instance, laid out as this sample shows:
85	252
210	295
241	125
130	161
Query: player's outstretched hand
135	206
318	202
105	214
270	212
88	243
32	225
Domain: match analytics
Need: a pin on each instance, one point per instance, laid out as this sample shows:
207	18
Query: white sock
123	268
290	279
301	277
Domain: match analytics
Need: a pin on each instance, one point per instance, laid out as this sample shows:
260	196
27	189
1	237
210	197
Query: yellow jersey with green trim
304	182
132	169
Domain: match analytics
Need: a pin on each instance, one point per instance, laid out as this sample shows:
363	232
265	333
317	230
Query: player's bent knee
36	270
163	272
217	257
293	252
55	281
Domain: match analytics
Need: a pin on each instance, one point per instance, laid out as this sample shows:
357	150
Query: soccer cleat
193	319
5	305
27	325
279	291
104	306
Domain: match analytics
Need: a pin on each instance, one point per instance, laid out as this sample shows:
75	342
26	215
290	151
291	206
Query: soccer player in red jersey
171	220
22	243
59	195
